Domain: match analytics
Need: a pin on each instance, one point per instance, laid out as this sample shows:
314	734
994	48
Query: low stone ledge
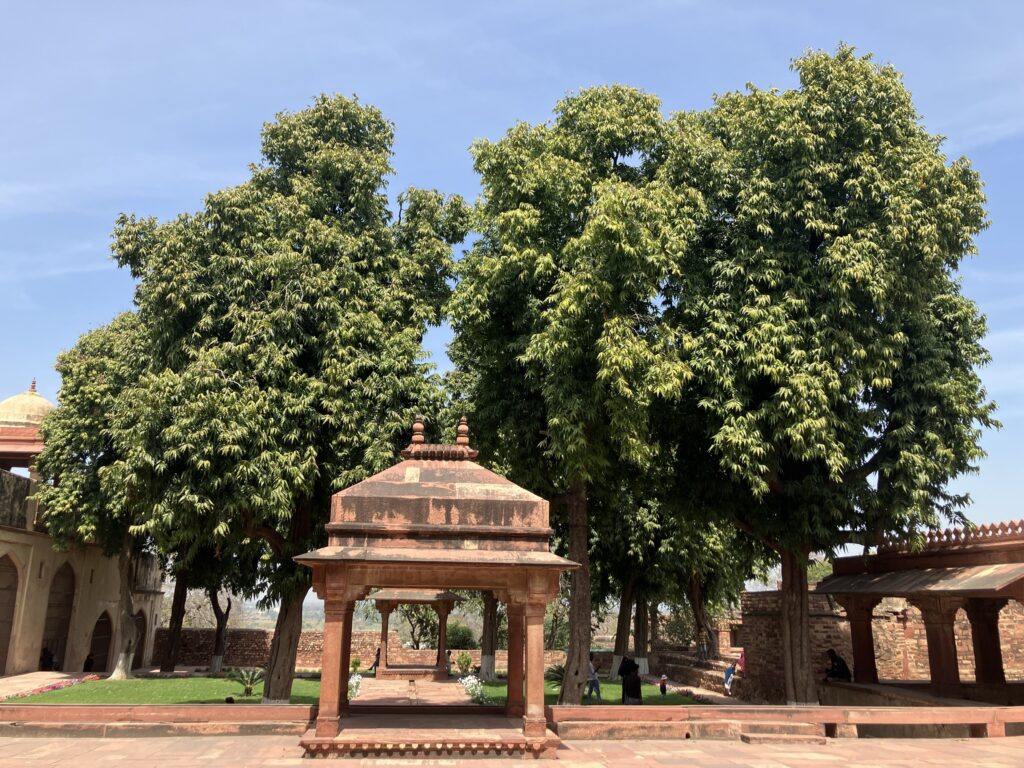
156	713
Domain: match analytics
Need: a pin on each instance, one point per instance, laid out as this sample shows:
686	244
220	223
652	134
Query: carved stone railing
949	538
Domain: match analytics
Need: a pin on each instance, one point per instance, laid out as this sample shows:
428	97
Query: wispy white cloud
18	268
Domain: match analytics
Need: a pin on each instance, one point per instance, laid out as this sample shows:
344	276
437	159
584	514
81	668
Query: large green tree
834	353
555	321
81	498
286	317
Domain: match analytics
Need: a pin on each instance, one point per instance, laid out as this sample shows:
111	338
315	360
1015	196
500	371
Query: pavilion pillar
385	615
514	706
939	614
337	645
988	654
859	612
534	723
442	638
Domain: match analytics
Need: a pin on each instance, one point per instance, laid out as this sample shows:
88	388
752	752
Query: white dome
25	410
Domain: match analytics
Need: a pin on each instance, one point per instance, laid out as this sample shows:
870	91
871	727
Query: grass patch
181	690
611	693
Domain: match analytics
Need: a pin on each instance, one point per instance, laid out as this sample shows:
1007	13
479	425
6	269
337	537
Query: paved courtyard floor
283	751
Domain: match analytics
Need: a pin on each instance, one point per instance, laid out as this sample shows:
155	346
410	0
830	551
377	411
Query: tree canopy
81	496
558	295
286	317
834	355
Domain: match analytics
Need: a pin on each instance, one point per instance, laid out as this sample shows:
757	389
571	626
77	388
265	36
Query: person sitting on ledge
837	668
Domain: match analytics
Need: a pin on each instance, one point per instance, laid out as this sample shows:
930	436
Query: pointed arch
8	601
58	618
140	647
99	644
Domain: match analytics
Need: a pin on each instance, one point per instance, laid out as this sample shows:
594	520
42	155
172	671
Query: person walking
593	684
730	673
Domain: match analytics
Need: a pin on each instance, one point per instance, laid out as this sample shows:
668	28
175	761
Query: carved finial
462	432
32	387
417	430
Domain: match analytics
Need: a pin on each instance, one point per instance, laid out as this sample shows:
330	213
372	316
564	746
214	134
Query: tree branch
268	534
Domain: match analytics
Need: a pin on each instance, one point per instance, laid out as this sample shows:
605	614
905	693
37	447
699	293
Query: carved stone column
442	638
514	706
983	614
385	615
939	614
334	666
534	724
859	612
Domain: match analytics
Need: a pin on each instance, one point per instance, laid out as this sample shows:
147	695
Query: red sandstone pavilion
436	521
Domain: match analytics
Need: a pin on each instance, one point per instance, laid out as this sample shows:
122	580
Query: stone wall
901	648
251	648
14	492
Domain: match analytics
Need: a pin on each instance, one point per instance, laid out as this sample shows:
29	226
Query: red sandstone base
411	672
430	737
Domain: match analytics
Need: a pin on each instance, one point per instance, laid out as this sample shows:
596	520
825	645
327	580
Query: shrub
474	688
247	677
555	673
461	637
355	682
355	664
463	661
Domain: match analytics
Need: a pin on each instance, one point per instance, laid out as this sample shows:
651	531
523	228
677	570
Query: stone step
50	730
782	727
570	730
781	738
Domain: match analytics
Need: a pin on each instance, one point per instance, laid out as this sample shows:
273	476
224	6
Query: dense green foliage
711	339
82	501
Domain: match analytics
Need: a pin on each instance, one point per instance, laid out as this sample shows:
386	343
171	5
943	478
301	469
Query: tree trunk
796	631
220	637
654	625
277	689
126	614
701	621
489	639
552	640
578	655
640	635
622	625
170	659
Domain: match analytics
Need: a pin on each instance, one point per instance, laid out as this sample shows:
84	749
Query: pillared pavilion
437	520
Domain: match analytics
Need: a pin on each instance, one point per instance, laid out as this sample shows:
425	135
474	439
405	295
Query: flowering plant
474	688
55	686
355	680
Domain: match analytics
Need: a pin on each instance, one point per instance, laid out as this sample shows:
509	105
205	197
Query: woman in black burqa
629	671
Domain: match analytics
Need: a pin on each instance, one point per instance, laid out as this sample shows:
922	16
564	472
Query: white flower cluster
474	688
354	681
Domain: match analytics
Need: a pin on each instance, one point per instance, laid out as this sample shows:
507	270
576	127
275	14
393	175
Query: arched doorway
140	628
99	645
58	618
8	597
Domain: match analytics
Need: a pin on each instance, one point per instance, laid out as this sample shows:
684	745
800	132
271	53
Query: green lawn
187	690
611	693
208	690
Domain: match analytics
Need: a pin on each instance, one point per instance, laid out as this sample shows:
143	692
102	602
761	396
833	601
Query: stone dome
25	410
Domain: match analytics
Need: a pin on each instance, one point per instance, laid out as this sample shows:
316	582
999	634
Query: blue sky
145	107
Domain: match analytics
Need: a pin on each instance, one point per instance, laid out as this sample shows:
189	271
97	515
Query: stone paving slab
284	752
